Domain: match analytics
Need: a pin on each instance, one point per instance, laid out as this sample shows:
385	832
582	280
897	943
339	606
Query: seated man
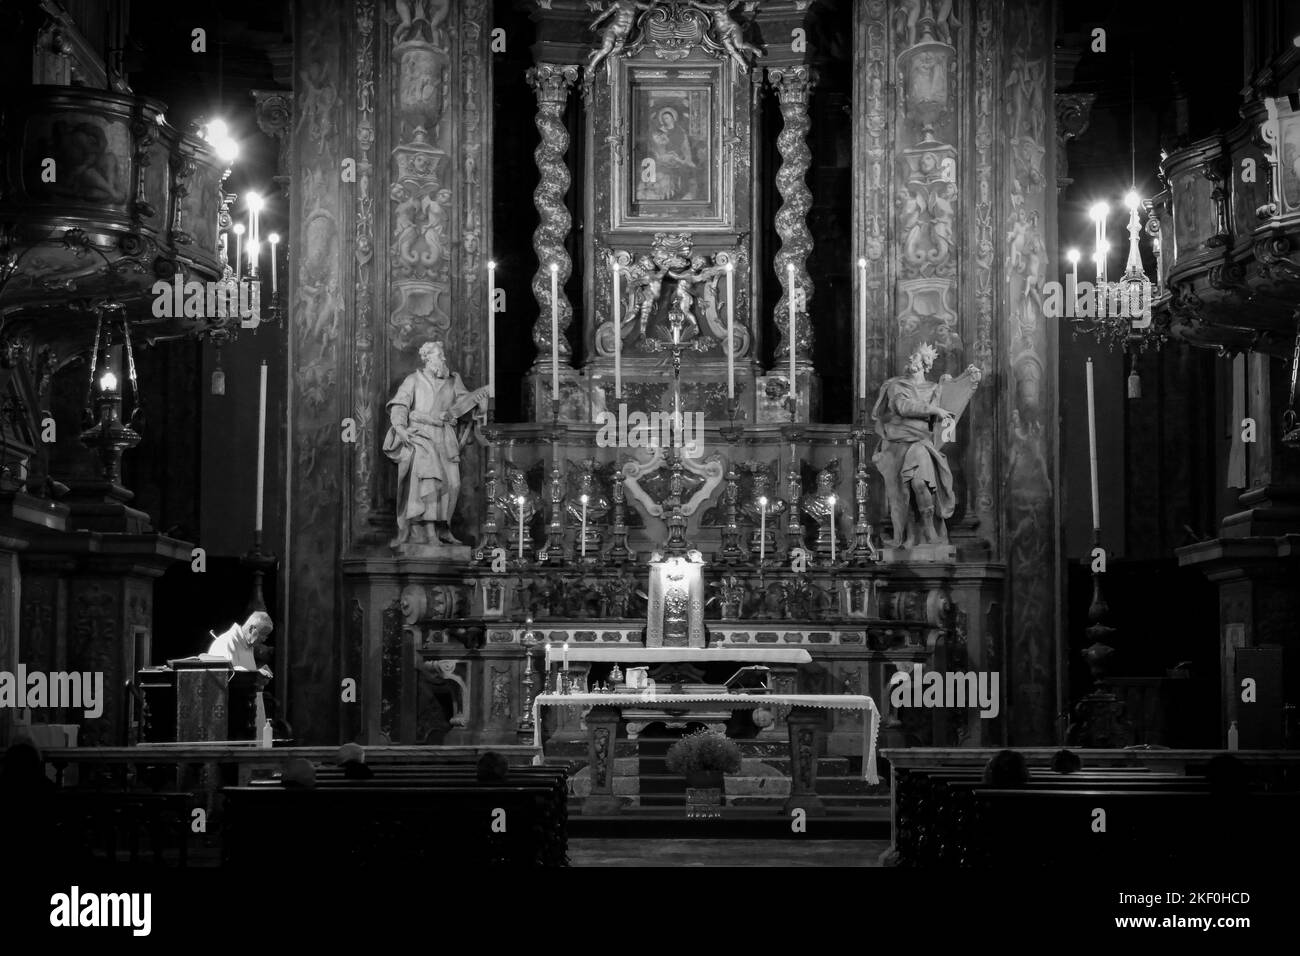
236	644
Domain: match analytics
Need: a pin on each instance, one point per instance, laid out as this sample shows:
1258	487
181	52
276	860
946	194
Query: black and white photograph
443	441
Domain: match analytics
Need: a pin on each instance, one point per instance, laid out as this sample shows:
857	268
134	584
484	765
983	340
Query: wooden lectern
192	700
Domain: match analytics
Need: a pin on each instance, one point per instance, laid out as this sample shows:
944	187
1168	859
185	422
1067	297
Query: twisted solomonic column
551	82
793	85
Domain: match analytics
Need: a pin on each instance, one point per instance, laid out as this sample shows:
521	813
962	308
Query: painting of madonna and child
673	149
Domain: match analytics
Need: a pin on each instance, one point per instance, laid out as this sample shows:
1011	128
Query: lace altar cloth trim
685	655
870	715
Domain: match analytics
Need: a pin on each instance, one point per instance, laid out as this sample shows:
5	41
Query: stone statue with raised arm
915	418
425	440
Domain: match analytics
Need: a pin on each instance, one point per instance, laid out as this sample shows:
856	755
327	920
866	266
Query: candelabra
863	551
794	491
554	552
731	552
676	521
618	552
486	552
529	641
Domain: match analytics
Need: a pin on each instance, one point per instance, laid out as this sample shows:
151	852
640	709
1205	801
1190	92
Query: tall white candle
762	529
584	526
862	328
492	330
261	446
1092	451
238	230
274	240
790	294
566	655
618	335
832	529
254	257
555	332
520	501
731	330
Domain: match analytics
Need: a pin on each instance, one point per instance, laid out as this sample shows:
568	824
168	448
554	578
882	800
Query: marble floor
612	851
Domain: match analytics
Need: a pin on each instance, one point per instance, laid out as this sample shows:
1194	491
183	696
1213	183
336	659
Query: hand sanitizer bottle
1232	736
267	735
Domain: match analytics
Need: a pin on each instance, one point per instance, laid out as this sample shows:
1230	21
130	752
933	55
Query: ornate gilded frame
629	80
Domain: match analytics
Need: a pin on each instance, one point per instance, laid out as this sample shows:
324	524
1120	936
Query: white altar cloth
686	655
870	715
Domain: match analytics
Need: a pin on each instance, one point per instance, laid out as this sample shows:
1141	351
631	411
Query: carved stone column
1073	114
552	83
793	84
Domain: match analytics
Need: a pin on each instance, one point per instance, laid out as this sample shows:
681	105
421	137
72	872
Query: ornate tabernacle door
676	605
671	113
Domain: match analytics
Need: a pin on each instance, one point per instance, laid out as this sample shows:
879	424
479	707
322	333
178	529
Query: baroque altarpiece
780	507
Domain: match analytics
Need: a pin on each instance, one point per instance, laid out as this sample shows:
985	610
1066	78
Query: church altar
607	710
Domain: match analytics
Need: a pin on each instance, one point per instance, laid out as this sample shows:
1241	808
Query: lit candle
832	529
254	253
1073	257
254	202
789	274
762	530
261	447
492	330
555	332
566	655
274	240
1098	214
520	501
1092	451
862	328
618	335
584	525
731	330
238	230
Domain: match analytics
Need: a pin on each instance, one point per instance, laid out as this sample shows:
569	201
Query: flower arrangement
704	751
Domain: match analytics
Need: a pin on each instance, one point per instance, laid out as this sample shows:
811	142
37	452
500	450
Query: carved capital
792	84
274	112
1073	114
552	82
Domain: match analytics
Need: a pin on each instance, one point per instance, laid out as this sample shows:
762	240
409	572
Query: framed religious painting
673	171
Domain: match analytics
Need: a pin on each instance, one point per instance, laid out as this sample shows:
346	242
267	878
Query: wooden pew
90	828
934	805
373	823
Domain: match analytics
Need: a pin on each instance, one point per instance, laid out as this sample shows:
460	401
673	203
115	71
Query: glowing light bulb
108	382
216	130
227	150
1132	200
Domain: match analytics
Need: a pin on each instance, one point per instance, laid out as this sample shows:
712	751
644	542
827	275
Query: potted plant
703	758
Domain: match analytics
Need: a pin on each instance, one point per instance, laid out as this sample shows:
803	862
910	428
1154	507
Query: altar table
803	724
687	655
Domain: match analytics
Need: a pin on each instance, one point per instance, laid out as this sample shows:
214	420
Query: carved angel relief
672	29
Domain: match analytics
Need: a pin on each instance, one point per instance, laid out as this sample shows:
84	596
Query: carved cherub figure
614	37
729	32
